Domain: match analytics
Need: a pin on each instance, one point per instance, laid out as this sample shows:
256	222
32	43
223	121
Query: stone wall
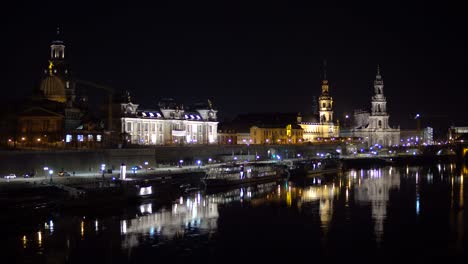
19	162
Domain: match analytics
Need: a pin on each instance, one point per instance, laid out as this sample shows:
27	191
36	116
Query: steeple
324	69
379	116
325	81
325	100
56	84
57	48
378	83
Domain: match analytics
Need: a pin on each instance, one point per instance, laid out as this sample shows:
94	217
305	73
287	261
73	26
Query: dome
53	89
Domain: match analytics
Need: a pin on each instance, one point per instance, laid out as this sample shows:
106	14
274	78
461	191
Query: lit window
68	138
98	138
90	137
80	138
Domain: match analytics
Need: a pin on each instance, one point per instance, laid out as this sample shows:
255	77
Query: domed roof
53	89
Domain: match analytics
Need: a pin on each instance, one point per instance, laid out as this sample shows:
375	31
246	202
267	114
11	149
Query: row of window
145	126
81	138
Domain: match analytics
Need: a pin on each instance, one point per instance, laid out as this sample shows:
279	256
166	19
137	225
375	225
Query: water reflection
333	208
195	213
376	190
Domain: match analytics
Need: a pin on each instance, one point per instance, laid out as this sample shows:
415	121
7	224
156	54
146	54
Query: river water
371	214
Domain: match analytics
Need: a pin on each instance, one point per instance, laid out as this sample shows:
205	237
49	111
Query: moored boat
242	173
314	167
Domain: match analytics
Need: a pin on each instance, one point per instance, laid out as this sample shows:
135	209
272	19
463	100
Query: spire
378	72
324	69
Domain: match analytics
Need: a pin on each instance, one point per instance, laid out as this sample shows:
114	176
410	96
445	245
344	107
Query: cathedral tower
379	116
325	101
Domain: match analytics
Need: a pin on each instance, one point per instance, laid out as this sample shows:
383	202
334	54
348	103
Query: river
366	214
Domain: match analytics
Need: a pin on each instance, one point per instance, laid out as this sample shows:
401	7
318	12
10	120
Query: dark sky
249	57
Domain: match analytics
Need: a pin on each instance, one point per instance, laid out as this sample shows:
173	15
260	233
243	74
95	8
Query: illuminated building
169	124
374	127
261	128
270	134
455	133
414	137
321	125
53	112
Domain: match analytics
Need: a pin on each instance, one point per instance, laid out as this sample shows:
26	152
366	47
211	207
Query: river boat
243	173
314	167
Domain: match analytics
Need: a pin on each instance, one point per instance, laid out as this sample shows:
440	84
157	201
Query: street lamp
180	163
45	173
103	168
50	173
146	166
123	171
198	162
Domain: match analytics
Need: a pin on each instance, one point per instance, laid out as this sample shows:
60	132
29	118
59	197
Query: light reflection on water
198	214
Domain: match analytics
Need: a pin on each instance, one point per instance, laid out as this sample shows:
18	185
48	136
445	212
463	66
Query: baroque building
321	124
168	124
53	117
374	127
261	128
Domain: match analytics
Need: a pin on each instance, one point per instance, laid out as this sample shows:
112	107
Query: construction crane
110	92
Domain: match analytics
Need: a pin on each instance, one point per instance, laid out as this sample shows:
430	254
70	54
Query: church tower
56	84
378	118
325	101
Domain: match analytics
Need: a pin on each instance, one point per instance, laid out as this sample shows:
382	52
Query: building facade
52	114
323	125
374	127
289	134
169	124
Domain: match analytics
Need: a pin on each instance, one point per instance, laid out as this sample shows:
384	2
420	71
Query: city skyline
235	55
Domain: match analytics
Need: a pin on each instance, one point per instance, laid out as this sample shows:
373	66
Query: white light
123	171
146	190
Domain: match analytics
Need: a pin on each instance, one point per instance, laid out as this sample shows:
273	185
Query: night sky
252	58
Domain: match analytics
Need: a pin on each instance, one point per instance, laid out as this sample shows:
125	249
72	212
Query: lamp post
123	171
146	166
45	172
103	168
198	163
50	173
180	163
